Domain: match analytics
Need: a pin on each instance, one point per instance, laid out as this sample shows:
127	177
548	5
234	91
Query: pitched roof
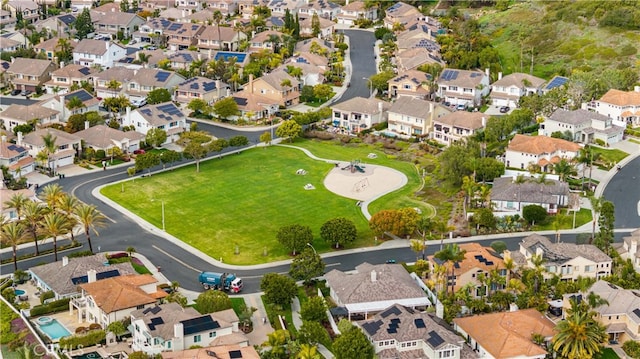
51	44
169	314
353	6
28	113
35	138
415	76
309	58
73	71
462	78
576	117
504	189
464	119
211	33
621	98
118	293
220	352
510	334
64	279
253	102
201	85
276	77
517	79
153	77
541	144
476	257
93	47
113	17
33	67
414	57
619	300
264	36
304	46
361	105
102	136
562	252
8	43
120	74
415	107
161	114
324	23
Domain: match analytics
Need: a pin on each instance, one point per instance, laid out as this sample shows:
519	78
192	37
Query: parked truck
220	281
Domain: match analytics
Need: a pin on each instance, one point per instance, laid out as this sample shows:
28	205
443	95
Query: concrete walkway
297	322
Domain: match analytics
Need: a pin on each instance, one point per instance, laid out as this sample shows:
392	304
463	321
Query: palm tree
294	71
469	187
580	335
596	206
33	214
424	225
217	18
75	103
275	42
68	204
23	25
142	58
564	169
509	266
451	254
584	157
114	85
91	218
53	194
55	225
13	234
417	246
17	201
442	227
308	351
538	266
277	341
50	147
592	157
237	26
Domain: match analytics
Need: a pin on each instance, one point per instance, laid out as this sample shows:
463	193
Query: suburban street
363	63
624	191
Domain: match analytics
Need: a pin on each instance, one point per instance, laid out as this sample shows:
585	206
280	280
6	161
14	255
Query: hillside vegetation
564	36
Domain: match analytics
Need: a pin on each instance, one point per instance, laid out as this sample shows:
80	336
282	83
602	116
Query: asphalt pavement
363	63
623	190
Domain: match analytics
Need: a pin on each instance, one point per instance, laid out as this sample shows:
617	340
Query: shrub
9	294
100	154
46	295
53	307
80	254
632	348
91	338
534	213
118	255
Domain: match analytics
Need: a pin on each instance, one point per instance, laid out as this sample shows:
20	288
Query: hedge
83	341
54	307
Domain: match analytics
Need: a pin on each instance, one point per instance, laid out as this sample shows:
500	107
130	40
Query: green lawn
583	216
608	353
237	303
634	141
609	155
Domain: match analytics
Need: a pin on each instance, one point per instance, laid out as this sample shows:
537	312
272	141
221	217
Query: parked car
461	107
15	92
504	109
25	92
139	152
139	103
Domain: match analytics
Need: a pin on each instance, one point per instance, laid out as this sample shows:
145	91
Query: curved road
624	191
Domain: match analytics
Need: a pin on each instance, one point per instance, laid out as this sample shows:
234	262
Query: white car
139	102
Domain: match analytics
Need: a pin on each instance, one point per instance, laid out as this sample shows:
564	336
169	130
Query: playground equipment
354	166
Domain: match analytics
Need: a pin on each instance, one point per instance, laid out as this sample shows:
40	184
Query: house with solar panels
152	32
92	53
181	35
183	59
165	116
63	277
224	6
279	7
325	9
401	332
201	88
463	87
59	103
66	76
223	38
219	351
61	25
170	328
412	83
355	10
147	80
15	158
400	13
555	82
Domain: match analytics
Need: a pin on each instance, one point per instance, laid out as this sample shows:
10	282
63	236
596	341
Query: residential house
506	334
67	76
310	59
181	36
418	37
220	38
356	10
541	151
60	102
30	74
165	116
274	86
50	47
182	60
113	299
94	53
253	105
169	327
413	58
509	196
186	6
147	80
7	212
374	288
311	75
327	27
620	314
621	106
628	249
201	88
463	87
508	89
569	261
179	15
400	13
358	114
226	7
82	4
67	147
15	115
583	126
113	22
555	82
324	8
7	20
16	36
63	277
153	31
246	7
477	272
203	16
30	9
9	45
279	7
120	76
220	351
15	158
411	116
101	137
411	83
60	26
456	126
401	332
275	23
265	41
4	77
314	46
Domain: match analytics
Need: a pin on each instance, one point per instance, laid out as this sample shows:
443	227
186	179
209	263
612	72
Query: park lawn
241	201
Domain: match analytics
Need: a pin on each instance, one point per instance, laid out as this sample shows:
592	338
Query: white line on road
177	260
639	208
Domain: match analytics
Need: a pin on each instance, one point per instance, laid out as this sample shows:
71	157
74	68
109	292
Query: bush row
83	341
54	307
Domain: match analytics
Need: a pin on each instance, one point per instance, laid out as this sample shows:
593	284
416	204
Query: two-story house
458	125
180	36
119	76
411	59
201	88
356	10
253	105
37	114
169	327
153	32
278	85
147	80
224	6
101	137
583	126
220	38
29	74
165	116
61	103
412	83
400	13
629	248
61	26
279	7
569	261
182	60
218	351
508	89
111	21
411	116
507	195
68	146
358	114
9	45
541	151
326	27
113	299
324	8
621	106
463	87
93	53
15	158
50	47
66	76
6	19
30	9
399	332
310	59
265	40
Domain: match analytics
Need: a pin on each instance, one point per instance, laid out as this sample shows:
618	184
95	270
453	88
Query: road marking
177	260
639	208
333	264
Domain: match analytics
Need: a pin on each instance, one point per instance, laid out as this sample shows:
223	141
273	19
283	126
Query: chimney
499	75
374	276
539	251
63	110
41	39
380	107
250	83
61	64
636	88
178	330
513	307
19	142
128	115
86	125
486	72
218	88
91	275
65	261
199	56
210	54
113	9
4	138
106	44
634	248
184	14
484	122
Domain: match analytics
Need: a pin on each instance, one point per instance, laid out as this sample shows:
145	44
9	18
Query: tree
170	157
18	201
114	85
289	129
313	333
23	25
266	138
118	328
596	206
74	103
12	234
33	214
238	141
64	50
484	218
580	335
159	95
451	254
534	213
322	91
353	344
55	225
607	223
401	222
194	144
314	310
339	231
146	161
499	247
380	82
53	194
564	169
67	205
308	351
199	106
211	301
306	266
156	137
226	108
315	25
91	219
83	24
278	289
294	237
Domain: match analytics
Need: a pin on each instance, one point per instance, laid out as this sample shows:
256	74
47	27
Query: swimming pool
19	292
91	355
52	328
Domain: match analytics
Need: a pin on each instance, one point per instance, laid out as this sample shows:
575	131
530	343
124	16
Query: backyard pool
19	292
91	355
52	328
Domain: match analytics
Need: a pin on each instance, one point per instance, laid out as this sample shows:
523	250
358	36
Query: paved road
20	100
363	63
624	191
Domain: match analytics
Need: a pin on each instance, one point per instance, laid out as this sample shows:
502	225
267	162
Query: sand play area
364	183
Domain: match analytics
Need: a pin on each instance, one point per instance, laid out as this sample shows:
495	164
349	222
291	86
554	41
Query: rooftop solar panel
194	86
82	95
84	70
156	310
392	330
637	312
162	76
434	339
372	327
240	101
199	324
209	86
419	323
174	26
99	276
15	148
388	312
235	354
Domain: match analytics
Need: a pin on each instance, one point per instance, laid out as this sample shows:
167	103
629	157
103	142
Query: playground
362	182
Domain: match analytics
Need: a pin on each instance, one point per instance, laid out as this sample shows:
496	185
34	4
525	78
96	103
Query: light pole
314	250
163	228
370	86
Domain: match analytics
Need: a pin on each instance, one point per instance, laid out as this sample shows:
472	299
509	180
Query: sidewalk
297	322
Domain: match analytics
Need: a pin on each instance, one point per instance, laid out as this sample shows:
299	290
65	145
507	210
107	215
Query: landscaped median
235	206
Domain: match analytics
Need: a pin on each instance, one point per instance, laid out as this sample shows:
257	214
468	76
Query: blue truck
220	281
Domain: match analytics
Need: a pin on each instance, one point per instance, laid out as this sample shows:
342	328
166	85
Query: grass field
234	207
608	353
